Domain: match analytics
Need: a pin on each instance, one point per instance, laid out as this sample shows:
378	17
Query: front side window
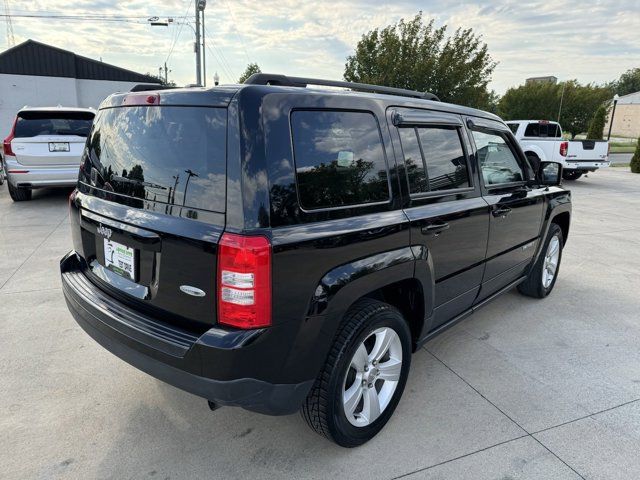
498	163
339	159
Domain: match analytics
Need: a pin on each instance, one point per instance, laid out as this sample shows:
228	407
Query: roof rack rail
286	81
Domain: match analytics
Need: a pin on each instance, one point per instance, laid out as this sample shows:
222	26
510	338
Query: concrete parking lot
522	389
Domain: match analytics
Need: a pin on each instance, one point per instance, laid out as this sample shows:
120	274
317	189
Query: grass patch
623	148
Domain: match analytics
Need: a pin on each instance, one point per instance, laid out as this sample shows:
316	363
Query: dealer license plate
120	259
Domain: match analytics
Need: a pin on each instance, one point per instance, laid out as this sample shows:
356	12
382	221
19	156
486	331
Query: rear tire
19	194
571	174
540	281
353	386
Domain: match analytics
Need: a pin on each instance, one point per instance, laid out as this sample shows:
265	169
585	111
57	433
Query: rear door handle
434	228
501	212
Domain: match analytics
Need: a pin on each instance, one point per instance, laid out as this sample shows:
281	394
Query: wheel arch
563	220
534	150
396	277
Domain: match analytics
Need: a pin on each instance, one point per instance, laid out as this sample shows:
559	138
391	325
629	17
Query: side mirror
550	173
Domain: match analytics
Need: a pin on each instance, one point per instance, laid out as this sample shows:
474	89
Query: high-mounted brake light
7	141
564	148
141	99
244	281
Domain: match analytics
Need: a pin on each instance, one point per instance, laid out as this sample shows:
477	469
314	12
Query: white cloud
595	42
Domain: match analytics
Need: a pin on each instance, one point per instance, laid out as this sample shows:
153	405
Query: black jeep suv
279	247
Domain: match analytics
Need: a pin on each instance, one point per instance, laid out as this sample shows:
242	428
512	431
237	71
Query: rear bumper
40	176
172	355
586	164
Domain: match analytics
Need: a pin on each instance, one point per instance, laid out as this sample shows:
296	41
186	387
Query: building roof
35	58
630	98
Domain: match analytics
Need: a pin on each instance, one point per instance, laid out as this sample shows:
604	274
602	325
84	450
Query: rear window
513	127
33	124
542	130
172	155
339	159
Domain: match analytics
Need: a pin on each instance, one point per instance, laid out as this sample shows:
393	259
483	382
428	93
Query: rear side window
339	159
172	155
434	159
33	124
542	130
513	127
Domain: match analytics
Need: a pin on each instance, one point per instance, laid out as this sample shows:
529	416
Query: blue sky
593	41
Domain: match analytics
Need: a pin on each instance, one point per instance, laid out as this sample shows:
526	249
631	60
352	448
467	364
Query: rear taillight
7	141
244	281
564	147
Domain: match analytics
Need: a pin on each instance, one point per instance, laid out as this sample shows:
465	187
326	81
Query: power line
92	18
175	40
221	60
235	26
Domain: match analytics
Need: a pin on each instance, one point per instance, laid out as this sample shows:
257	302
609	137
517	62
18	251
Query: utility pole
166	73
197	46
204	53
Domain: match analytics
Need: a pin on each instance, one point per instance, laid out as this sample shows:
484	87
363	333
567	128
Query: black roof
35	58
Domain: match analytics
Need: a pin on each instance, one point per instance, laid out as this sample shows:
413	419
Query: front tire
571	174
362	381
542	277
19	194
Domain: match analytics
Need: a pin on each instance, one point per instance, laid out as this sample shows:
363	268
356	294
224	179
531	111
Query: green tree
541	101
629	82
418	56
596	127
250	70
635	160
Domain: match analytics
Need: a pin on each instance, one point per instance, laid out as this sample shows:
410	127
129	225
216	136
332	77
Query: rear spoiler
145	87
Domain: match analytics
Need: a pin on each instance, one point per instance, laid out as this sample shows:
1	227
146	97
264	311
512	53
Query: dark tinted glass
497	161
339	159
444	156
33	124
542	130
174	155
513	127
413	161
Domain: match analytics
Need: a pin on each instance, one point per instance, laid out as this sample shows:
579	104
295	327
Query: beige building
626	121
547	79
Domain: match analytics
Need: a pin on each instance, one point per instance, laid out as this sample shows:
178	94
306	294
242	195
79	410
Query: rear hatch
50	137
152	207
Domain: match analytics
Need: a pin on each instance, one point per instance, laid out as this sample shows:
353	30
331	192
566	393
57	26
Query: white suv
44	148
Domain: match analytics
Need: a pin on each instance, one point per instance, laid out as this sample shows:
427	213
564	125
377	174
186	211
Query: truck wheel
19	194
544	273
571	174
362	381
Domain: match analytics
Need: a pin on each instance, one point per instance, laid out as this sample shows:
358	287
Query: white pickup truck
541	140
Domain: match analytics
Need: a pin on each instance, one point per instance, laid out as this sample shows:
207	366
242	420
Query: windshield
172	155
33	124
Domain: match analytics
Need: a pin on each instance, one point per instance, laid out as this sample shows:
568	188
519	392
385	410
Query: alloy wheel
372	377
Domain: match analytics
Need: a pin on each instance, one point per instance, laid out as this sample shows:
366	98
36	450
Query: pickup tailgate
588	151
